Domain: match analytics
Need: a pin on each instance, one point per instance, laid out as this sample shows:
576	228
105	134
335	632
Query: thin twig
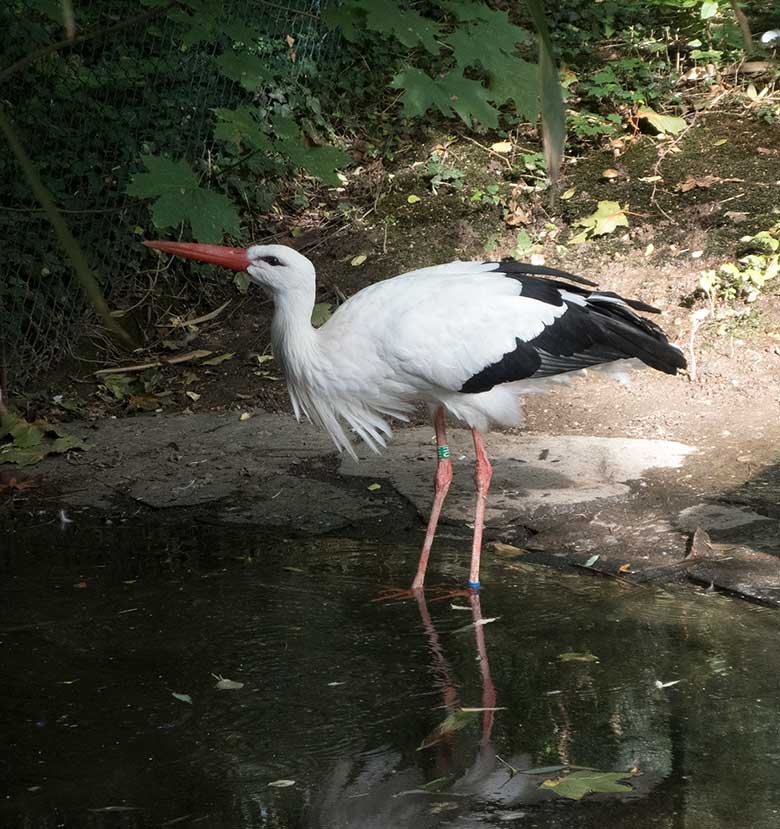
163	361
488	150
204	318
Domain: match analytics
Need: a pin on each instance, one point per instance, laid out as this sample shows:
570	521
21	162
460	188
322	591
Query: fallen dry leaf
502	147
14	485
702	181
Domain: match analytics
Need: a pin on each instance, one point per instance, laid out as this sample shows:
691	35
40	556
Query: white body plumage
466	338
416	337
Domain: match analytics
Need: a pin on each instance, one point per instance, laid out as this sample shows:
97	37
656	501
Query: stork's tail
633	335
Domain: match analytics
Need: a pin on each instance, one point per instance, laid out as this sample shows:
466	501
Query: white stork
466	338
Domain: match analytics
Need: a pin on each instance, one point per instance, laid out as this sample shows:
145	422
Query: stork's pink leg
482	475
441	485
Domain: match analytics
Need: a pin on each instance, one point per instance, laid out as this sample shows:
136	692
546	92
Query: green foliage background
198	119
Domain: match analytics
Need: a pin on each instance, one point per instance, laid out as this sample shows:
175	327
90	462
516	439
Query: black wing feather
601	330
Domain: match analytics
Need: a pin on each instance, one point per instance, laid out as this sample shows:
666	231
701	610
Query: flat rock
743	572
255	471
717	517
532	474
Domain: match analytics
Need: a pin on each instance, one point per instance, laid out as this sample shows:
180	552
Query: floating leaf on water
572	656
575	786
227	684
412	199
282	784
437	785
476	624
659	684
358	260
183	697
508	549
374	487
221	358
108	809
454	722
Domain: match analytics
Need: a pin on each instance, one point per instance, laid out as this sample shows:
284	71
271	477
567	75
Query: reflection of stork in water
375	791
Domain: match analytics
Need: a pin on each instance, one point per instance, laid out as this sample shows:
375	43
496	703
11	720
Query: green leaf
406	26
211	216
486	25
221	358
518	81
27	443
249	70
709	8
575	786
321	313
608	216
180	198
238	126
323	162
454	722
469	98
663	123
571	656
348	19
421	92
164	176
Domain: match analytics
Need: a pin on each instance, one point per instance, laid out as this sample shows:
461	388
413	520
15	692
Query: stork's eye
271	260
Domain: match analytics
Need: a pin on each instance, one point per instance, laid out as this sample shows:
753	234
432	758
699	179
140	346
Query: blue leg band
474	585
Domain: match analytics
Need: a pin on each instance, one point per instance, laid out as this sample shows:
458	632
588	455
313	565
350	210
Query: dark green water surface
100	627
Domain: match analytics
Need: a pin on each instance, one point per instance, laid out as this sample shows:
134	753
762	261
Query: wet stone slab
532	474
742	572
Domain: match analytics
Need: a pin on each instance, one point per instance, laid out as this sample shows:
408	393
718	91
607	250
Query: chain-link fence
86	113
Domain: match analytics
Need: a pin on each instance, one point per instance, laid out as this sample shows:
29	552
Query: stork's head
276	268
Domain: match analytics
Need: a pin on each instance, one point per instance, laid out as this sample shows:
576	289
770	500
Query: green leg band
443	452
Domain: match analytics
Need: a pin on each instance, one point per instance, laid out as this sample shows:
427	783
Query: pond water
113	640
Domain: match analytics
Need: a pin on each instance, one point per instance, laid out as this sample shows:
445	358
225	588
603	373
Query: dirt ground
728	412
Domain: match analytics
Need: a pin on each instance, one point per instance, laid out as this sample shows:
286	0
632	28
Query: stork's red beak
235	259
